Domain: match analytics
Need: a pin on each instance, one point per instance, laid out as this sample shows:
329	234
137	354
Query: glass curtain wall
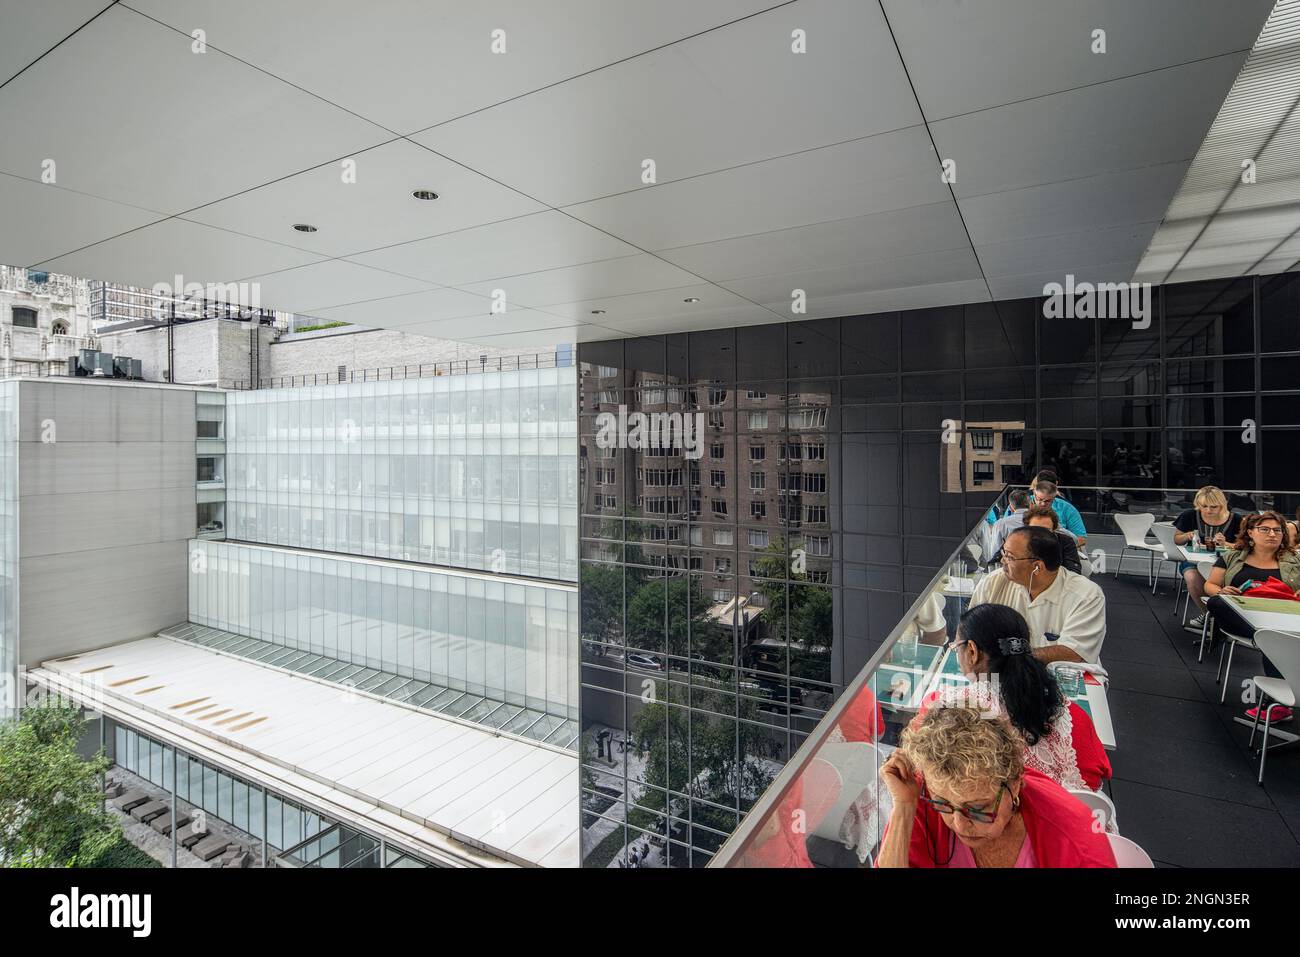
470	471
506	639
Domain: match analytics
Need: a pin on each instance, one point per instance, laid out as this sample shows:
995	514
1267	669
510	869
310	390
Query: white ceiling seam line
49	50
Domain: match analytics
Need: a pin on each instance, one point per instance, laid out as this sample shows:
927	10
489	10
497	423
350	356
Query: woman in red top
1060	740
963	798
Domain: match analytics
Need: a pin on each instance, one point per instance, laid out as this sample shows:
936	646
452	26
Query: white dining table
1261	619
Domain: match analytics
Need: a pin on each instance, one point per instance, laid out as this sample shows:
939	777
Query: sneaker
1280	713
1196	624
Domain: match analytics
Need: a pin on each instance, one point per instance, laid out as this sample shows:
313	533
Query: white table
1262	620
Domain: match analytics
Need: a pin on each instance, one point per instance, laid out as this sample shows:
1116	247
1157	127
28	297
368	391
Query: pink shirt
962	857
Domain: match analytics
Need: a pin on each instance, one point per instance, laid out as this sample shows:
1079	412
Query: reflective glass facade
506	639
727	599
472	471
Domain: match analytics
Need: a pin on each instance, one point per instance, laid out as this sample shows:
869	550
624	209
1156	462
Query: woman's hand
1219	539
1229	590
900	777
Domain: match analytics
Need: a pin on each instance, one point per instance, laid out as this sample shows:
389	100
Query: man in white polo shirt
1066	612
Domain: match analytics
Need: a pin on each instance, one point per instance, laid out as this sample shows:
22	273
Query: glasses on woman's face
977	813
1270	530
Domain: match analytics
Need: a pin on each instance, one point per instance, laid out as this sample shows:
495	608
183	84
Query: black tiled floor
1184	785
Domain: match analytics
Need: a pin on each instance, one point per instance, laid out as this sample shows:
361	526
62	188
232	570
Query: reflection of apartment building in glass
981	455
387	648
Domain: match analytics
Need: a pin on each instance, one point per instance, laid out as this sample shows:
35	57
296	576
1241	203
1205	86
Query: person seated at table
962	797
1060	740
1066	612
1043	516
1017	503
1259	553
1209	524
1047	492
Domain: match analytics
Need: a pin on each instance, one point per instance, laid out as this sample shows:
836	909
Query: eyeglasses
1269	530
979	814
1008	559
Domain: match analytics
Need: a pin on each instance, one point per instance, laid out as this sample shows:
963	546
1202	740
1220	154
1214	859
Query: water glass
1070	681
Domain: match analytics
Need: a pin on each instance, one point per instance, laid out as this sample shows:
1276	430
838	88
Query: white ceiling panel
951	265
928	296
966	56
543	340
55	220
1031	285
400	311
173	247
667	305
138	118
549	240
411	64
884	172
30	29
828	245
1079	205
331	283
712	102
1081	133
610	277
1116	244
374	208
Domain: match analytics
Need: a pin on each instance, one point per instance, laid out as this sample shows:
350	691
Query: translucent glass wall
504	638
9	686
471	471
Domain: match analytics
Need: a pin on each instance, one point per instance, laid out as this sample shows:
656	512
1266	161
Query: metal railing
536	360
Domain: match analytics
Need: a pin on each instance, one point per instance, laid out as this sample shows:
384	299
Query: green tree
49	794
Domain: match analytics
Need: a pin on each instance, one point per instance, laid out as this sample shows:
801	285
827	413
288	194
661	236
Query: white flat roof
515	800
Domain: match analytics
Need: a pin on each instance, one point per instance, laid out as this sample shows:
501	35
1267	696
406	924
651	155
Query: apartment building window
982	472
607	501
814	514
814	482
1013	441
721	566
981	440
719	506
717	396
815	451
820	576
718	478
606	372
757	453
721	596
24	318
659	505
716	420
757	421
724	536
663	477
717	450
807	419
755	394
818	545
792	451
757	481
1010	473
759	538
758	509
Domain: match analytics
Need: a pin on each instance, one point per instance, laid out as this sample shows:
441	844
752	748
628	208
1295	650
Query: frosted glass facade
469	471
9	687
506	639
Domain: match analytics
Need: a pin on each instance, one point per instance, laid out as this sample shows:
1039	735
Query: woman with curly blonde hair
963	798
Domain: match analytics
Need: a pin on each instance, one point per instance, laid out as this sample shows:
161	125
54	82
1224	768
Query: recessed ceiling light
304	228
598	312
425	194
691	299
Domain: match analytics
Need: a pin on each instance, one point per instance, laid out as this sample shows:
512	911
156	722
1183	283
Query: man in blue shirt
1046	493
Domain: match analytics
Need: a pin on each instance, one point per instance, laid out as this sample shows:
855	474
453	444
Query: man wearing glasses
1066	612
1046	493
1261	552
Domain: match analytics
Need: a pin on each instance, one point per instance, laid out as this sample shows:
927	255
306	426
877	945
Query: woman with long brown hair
1262	550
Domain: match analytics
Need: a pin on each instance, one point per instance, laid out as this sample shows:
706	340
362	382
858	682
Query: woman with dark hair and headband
992	647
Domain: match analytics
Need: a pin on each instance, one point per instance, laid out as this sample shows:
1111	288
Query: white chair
1230	643
1164	533
1135	529
1282	648
1128	854
1102	808
1204	568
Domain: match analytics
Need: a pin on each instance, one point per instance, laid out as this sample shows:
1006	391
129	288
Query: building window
717	450
1010	474
981	440
757	481
755	394
983	472
1013	441
758	509
757	421
716	420
818	545
718	478
721	566
721	596
815	451
719	506
814	482
757	453
717	396
724	536
59	328
758	538
24	318
814	514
